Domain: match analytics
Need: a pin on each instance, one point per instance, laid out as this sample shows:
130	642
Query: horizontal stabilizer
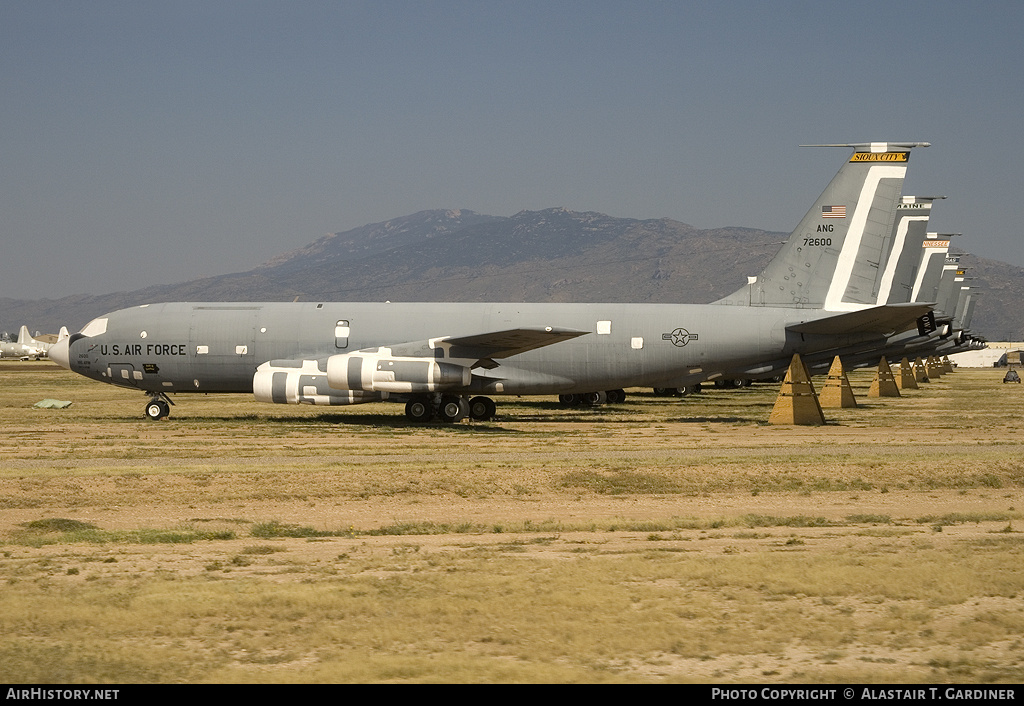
887	319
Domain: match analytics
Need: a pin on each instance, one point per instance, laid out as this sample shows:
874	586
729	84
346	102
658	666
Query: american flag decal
833	211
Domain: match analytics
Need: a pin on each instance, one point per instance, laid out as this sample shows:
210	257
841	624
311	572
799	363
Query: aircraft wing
485	347
886	319
503	344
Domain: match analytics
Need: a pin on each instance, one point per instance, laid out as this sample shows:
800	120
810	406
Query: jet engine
384	373
303	382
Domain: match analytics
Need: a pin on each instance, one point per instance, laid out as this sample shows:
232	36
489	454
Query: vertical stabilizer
972	299
964	295
948	291
933	258
910	229
834	257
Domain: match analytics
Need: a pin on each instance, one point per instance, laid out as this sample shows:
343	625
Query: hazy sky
157	142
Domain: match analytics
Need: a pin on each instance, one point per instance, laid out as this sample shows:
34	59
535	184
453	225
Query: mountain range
549	255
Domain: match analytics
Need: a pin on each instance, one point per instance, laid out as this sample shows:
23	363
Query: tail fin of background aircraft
929	274
963	297
900	268
833	259
947	294
964	321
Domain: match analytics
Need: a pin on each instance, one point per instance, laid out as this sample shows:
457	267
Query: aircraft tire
615	396
481	409
592	399
418	410
157	409
570	400
452	409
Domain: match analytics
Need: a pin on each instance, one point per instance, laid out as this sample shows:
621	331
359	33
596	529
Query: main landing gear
449	408
677	391
158	407
591	399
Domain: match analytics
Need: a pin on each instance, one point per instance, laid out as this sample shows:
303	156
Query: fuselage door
341	333
123	374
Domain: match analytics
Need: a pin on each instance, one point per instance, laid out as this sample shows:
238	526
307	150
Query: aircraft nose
60	354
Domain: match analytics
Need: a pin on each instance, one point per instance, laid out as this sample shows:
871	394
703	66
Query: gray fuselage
217	347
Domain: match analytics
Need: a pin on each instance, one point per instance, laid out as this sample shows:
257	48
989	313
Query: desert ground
658	540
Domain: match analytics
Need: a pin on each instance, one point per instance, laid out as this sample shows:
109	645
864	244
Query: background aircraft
27	347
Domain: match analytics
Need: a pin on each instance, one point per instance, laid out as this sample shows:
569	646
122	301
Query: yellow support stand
906	380
933	368
797	403
884	385
837	391
920	372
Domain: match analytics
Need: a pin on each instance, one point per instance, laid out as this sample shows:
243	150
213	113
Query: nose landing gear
158	407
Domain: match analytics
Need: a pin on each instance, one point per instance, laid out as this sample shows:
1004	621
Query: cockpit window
95	327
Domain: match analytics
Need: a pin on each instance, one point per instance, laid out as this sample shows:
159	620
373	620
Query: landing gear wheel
157	409
418	409
615	396
570	400
592	399
452	408
481	409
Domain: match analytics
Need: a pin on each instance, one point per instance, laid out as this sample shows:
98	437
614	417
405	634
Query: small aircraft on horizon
27	347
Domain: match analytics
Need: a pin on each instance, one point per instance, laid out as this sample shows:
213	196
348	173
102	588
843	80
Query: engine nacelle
372	372
303	382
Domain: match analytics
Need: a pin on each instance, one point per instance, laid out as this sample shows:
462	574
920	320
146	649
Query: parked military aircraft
28	347
20	351
446	360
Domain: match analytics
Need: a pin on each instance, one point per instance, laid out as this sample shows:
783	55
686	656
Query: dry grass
658	540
